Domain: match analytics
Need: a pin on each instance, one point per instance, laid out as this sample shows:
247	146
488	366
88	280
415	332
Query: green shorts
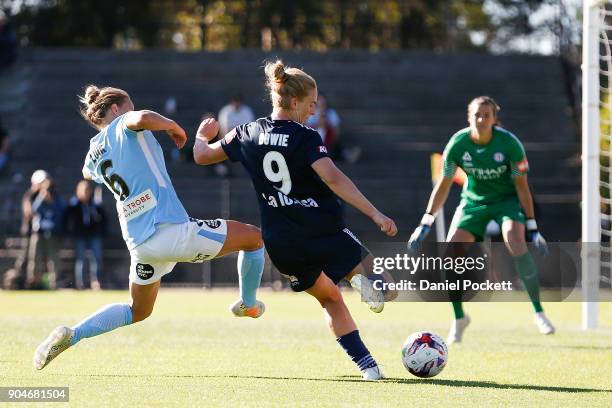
474	217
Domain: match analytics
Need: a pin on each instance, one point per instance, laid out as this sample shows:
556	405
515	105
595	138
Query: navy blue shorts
303	261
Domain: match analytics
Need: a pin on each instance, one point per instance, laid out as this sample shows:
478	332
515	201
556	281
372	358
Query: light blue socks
110	317
104	320
250	269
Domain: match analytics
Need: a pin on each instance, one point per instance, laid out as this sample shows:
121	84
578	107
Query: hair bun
91	94
279	73
275	71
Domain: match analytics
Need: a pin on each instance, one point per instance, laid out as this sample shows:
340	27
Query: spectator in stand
235	113
47	218
14	277
86	223
5	145
326	122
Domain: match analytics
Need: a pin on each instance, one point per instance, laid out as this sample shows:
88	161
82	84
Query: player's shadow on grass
357	379
485	384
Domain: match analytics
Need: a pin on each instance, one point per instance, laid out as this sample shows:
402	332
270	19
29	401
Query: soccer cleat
374	298
240	310
456	331
54	344
544	325
372	373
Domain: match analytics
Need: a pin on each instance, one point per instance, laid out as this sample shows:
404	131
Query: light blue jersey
131	164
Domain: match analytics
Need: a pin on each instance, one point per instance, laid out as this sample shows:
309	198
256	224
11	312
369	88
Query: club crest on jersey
144	271
466	157
499	157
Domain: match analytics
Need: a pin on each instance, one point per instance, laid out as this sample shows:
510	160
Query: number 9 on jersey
281	175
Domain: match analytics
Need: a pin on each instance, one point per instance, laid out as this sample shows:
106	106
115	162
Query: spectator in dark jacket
14	278
86	223
47	221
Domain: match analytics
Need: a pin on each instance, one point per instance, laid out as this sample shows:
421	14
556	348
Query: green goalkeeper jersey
490	168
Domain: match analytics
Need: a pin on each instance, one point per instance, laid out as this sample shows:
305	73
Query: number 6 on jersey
282	175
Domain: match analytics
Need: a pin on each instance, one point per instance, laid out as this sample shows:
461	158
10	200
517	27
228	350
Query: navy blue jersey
293	200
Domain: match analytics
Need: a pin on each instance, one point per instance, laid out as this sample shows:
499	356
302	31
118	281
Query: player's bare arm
205	153
149	120
437	199
524	195
344	188
439	195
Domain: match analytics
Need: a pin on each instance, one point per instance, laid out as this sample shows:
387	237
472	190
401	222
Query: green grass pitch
192	352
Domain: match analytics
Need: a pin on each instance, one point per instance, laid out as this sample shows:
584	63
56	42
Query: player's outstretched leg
57	341
104	320
246	239
343	327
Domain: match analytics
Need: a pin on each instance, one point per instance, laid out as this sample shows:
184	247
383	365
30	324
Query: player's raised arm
344	188
149	120
204	153
151	217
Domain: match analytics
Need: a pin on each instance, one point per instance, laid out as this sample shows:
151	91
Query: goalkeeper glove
534	236
420	233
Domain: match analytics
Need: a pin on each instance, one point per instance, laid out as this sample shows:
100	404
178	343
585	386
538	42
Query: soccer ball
424	354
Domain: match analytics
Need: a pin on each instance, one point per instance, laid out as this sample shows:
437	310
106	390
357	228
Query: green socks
528	272
458	309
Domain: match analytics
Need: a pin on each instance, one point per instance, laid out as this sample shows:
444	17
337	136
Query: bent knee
254	240
333	297
516	244
140	313
517	249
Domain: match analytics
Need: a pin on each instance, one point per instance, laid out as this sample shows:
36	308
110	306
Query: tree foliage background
440	25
